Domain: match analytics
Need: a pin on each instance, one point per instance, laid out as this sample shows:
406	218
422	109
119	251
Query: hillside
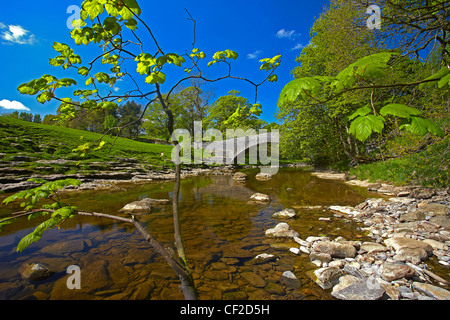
28	149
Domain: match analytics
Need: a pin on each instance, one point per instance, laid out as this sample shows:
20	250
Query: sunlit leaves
66	58
421	126
399	110
222	56
299	89
83	71
156	77
57	218
365	69
363	126
151	66
270	64
442	77
45	86
33	196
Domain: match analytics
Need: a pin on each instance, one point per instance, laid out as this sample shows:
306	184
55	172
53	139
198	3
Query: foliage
233	111
372	99
31	198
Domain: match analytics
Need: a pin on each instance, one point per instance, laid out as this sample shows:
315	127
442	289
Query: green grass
428	168
54	142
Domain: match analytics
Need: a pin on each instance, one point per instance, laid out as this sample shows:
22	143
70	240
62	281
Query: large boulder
335	249
410	249
353	288
391	271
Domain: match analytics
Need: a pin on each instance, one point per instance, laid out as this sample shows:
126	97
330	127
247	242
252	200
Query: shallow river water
222	232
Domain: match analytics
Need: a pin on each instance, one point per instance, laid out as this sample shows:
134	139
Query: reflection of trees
294	186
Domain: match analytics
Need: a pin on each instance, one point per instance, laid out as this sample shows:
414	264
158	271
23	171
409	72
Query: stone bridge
233	151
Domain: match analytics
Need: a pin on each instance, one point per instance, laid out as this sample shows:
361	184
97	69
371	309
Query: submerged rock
263	258
260	197
284	214
263	176
282	230
143	206
34	271
240	176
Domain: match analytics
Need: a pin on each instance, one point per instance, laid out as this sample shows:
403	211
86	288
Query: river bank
252	265
410	228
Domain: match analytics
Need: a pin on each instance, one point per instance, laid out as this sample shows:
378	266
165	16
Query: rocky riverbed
410	226
95	175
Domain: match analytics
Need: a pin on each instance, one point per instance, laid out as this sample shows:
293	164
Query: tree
50	119
233	111
37	118
113	24
314	130
195	105
130	119
26	116
346	69
414	27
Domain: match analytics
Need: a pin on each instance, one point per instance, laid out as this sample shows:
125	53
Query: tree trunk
187	282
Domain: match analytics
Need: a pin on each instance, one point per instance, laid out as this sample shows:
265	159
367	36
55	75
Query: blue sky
254	29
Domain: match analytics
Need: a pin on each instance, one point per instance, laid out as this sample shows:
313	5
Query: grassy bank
428	168
44	142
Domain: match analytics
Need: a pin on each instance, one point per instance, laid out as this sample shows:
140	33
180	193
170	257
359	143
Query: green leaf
367	68
399	110
421	126
445	80
44	97
83	71
63	213
156	77
273	78
93	9
443	72
362	127
5	223
27	241
360	112
299	89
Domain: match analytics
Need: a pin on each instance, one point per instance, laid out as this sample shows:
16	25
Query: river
222	232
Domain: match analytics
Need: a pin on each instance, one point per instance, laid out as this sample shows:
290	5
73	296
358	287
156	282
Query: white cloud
298	46
116	89
12	105
286	34
16	34
254	55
